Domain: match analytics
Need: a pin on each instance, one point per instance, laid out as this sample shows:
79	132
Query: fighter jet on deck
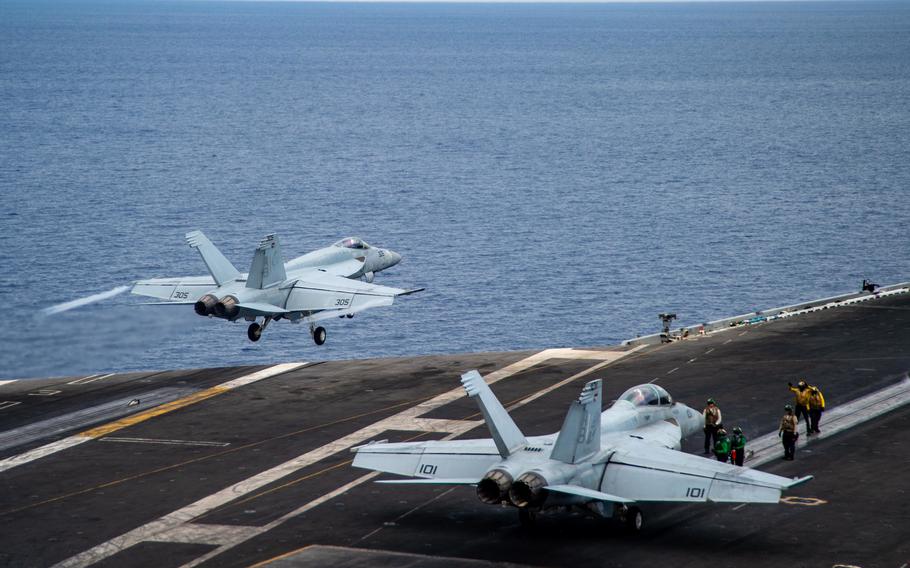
310	288
625	456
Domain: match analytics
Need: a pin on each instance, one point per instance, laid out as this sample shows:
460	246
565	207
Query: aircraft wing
327	295
449	461
182	289
641	471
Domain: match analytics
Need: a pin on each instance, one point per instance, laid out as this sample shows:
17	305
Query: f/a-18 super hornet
334	281
603	463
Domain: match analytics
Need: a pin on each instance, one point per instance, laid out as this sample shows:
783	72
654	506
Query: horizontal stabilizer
506	435
800	481
219	267
262	308
587	493
422	481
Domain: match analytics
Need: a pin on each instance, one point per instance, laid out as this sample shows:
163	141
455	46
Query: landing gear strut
254	332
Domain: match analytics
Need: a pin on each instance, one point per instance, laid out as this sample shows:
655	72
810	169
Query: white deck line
178	526
7	382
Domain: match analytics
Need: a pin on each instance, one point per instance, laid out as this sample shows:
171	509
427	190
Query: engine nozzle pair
210	305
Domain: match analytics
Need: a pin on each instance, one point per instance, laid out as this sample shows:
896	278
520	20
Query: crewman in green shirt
739	446
722	446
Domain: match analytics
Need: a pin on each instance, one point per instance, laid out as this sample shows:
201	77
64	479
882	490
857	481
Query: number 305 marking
695	492
181	295
343	302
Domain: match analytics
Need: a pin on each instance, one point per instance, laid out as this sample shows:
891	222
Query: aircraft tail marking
268	265
579	437
506	435
220	267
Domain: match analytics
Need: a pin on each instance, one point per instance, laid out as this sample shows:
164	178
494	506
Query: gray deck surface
71	501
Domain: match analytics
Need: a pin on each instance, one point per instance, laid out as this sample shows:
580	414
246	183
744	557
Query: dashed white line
90	379
8	403
673	370
6	382
692	360
709	350
727	341
744	333
740	506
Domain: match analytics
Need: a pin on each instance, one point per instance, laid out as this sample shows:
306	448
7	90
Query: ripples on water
554	175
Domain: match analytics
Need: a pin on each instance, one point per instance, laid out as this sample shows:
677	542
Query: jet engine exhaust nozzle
205	305
493	489
527	490
227	307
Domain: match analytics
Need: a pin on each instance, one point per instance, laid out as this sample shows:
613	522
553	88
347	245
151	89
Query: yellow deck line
106	429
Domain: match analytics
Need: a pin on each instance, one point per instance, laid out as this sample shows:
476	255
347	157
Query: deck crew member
788	433
722	446
712	424
816	407
738	443
801	404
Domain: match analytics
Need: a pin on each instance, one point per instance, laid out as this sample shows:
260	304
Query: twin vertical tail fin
505	433
268	265
579	437
220	267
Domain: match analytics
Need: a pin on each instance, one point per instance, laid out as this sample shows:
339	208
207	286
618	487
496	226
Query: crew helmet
737	430
711	401
788	408
802	384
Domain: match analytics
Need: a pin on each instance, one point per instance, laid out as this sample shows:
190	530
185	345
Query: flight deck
245	465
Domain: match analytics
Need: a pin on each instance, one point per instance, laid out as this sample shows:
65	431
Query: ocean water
554	175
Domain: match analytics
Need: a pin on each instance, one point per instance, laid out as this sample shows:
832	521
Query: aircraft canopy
352	243
647	395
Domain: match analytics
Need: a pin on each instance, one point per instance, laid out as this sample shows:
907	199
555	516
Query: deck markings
710	350
6	382
8	403
692	360
90	379
165	442
178	525
728	341
673	370
740	506
100	431
45	392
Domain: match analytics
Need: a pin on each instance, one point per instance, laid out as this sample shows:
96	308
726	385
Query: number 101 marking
428	469
695	492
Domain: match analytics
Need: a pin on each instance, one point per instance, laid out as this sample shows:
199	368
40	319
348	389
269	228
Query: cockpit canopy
352	243
647	395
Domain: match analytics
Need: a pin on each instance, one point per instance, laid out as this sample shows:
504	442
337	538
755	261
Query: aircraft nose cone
394	258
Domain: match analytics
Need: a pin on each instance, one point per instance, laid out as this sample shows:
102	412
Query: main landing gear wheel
527	518
319	335
254	332
633	519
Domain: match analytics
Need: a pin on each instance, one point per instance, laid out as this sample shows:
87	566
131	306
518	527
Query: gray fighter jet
603	463
334	281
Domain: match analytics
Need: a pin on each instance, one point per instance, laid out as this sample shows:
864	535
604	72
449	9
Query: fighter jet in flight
334	281
625	456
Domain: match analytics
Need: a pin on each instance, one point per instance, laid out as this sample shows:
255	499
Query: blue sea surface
554	175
